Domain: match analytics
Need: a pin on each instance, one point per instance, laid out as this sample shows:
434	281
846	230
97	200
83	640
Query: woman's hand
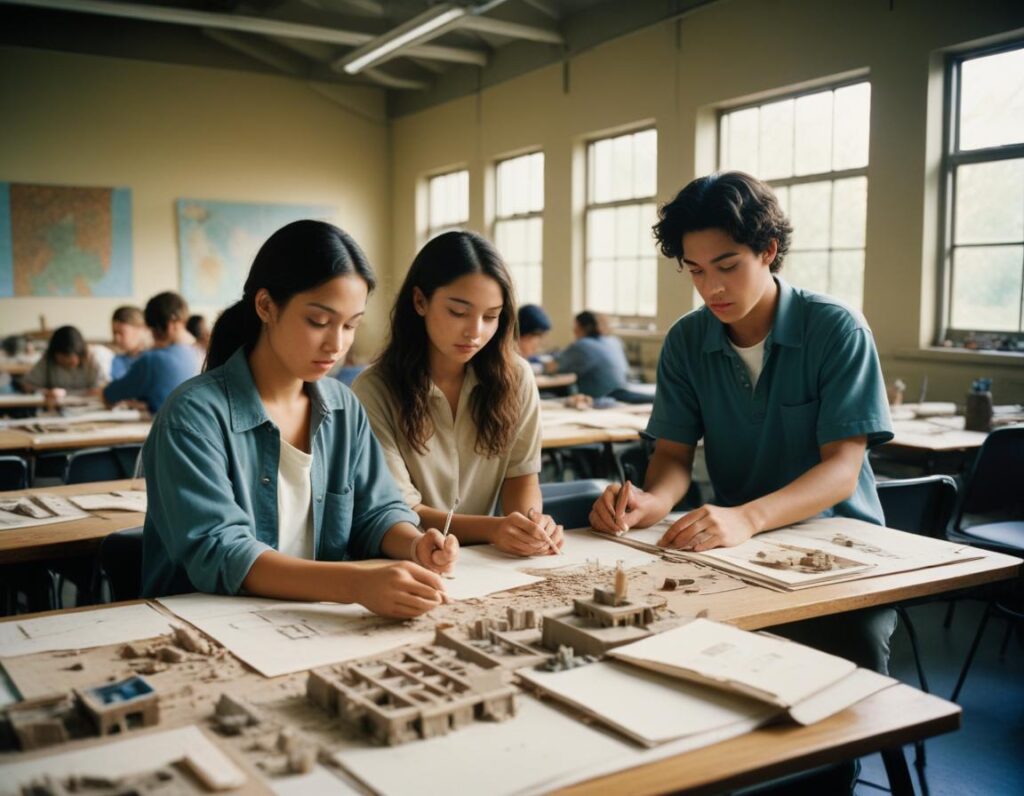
399	589
435	551
709	527
533	535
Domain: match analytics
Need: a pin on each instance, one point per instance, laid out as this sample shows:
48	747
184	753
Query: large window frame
526	218
783	185
952	159
451	221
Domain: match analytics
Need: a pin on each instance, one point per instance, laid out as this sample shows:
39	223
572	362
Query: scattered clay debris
75	667
232	714
129	651
671	584
170	654
188	639
565	659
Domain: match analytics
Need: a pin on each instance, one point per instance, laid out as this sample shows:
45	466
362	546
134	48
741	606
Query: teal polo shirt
821	382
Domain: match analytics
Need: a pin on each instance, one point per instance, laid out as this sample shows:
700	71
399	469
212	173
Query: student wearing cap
534	324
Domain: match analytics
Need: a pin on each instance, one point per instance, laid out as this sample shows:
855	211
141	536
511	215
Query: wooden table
554	381
562	427
14	439
67	539
34	400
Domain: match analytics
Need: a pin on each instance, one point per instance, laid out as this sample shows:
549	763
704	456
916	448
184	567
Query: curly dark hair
740	205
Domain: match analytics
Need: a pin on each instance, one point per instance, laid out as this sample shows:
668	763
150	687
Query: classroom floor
984	756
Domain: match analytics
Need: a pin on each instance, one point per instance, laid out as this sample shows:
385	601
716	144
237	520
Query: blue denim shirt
211	464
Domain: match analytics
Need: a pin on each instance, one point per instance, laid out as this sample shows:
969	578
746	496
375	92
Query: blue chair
101	464
121	563
13	473
569	502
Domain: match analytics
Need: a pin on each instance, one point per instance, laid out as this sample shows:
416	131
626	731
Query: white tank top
294	502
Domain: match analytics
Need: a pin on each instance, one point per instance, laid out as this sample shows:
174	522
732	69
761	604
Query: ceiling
421	52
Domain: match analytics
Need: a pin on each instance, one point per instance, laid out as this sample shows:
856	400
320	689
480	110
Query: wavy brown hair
404	364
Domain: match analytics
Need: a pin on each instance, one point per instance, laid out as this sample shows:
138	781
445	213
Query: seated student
783	384
170	361
454	407
262	475
598	359
200	330
534	324
69	365
131	336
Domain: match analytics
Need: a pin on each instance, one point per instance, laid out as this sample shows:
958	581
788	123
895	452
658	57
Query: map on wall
60	240
217	242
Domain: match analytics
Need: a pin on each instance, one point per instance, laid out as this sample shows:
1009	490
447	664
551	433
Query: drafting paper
276	637
318	782
137	753
120	500
34	510
858	685
648	707
774	670
472	579
580	548
82	629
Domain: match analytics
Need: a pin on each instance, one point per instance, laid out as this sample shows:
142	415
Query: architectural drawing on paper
801	559
422	692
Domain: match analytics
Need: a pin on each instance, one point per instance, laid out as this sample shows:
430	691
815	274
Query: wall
675	75
170	132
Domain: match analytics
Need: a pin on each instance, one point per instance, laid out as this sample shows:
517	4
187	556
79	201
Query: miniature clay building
120	706
41	722
172	780
505	643
421	693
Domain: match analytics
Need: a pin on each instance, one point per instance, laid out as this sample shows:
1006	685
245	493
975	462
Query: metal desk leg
897	771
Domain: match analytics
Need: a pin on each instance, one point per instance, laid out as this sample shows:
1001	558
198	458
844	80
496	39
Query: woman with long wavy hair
454	407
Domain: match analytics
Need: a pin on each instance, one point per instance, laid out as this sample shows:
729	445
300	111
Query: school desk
554	381
37	401
17	439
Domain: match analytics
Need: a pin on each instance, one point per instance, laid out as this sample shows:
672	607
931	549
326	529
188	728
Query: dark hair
128	314
740	205
533	320
194	325
67	340
592	323
164	308
300	256
404	364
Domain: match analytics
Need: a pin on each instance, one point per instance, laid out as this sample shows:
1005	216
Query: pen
529	515
621	501
448	519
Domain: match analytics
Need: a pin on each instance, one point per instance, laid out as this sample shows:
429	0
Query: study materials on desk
129	756
580	549
88	432
98	627
118	500
32	510
68	422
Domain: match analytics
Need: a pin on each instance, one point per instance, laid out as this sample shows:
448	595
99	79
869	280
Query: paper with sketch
472	579
118	500
125	431
580	549
767	668
39	509
138	753
82	629
648	707
594	418
276	637
858	685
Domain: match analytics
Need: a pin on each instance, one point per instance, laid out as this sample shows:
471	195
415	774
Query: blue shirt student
211	464
599	363
153	376
821	382
121	365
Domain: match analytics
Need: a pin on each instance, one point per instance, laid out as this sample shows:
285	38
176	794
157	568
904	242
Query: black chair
991	516
101	464
13	473
121	563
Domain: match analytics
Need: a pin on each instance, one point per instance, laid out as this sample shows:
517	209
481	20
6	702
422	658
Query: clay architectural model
120	706
508	643
796	559
172	780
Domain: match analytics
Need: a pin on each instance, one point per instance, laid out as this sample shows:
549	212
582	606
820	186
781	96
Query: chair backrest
995	483
569	502
121	561
919	505
13	473
92	464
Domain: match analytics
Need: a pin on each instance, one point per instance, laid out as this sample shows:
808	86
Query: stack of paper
30	511
118	500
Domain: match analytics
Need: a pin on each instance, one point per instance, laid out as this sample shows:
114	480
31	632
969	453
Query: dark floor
986	756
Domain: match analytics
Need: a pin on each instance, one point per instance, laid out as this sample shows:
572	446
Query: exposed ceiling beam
513	30
422	27
544	6
267	54
391	81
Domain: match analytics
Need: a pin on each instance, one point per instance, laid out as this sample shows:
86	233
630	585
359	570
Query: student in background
534	324
454	407
170	361
784	386
131	337
199	328
69	365
263	475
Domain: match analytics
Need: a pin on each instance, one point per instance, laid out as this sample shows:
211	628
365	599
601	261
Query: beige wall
728	52
170	132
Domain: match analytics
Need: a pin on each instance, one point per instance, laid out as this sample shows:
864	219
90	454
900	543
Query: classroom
511	396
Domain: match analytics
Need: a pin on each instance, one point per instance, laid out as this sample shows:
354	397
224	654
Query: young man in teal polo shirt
784	386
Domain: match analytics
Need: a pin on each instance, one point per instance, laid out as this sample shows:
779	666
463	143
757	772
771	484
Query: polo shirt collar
787	328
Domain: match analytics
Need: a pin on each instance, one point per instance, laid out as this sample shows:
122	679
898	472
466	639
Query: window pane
536	199
601	286
814	133
622	168
627	222
846	281
849	212
807	269
534	240
992	100
990	202
851	121
987	288
782	194
647	300
627	275
601	233
601	171
448	200
809	206
743	138
776	140
645	160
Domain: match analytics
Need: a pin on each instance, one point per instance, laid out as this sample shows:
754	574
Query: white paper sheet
130	755
648	707
580	548
39	509
318	782
118	500
473	579
101	416
126	431
82	629
858	685
774	670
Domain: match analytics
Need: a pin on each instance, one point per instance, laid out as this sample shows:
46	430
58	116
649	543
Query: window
621	260
813	150
983	255
447	202
518	226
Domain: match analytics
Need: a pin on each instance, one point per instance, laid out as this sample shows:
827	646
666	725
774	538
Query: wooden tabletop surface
16	439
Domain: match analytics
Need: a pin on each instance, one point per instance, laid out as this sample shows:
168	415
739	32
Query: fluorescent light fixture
407	33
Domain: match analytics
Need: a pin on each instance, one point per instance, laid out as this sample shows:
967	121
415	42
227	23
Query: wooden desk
36	401
562	426
14	439
67	539
936	434
553	381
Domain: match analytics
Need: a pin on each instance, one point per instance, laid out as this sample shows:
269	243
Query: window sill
963	356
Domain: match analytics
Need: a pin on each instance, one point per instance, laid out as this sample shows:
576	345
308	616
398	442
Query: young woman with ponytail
263	476
453	405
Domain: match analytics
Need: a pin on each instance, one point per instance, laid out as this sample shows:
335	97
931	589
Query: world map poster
217	242
61	240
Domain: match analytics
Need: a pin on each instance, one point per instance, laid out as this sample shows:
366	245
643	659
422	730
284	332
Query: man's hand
709	527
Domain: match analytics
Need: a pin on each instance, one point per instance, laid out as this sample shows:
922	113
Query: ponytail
237	326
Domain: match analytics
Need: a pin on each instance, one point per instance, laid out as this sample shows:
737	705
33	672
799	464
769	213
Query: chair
569	502
100	464
13	473
991	516
121	562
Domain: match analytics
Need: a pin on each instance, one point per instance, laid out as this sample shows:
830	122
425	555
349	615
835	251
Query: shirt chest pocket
800	427
336	527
